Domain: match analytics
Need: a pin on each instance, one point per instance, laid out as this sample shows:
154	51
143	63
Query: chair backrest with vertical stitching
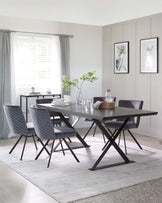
42	123
15	119
46	101
136	104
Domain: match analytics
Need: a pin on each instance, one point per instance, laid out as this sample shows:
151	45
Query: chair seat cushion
56	120
117	125
30	128
88	119
63	132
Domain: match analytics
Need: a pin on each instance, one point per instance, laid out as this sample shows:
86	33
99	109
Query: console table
26	96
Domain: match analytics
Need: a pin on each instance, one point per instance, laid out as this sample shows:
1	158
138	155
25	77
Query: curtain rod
64	35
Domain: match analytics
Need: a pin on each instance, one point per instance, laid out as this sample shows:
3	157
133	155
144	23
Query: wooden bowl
106	105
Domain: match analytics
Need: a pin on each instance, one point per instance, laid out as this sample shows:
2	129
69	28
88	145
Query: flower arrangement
78	83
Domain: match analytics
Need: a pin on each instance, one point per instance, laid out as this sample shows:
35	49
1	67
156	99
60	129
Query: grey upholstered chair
95	99
131	124
56	120
45	130
54	116
18	126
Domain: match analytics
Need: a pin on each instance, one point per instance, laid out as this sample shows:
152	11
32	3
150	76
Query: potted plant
78	83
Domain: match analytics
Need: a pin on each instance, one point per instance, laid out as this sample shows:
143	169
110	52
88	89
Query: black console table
26	96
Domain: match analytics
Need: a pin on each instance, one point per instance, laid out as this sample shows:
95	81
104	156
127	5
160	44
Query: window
36	63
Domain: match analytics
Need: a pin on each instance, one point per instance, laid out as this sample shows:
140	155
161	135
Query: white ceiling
92	12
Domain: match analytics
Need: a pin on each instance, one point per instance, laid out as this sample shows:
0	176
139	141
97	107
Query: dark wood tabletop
99	114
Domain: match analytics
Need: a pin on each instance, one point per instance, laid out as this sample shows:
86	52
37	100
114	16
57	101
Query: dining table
99	116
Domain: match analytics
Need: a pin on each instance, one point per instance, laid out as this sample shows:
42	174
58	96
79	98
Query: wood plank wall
146	87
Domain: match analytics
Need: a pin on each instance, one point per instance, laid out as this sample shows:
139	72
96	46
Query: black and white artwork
121	57
149	55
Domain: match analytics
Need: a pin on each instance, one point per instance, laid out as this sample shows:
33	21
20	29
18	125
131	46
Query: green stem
81	84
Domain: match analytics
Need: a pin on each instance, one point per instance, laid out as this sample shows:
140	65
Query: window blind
36	63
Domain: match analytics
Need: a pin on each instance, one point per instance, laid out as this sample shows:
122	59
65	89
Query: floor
11	183
16	189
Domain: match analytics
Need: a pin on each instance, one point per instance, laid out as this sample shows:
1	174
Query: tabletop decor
78	83
149	55
121	57
107	105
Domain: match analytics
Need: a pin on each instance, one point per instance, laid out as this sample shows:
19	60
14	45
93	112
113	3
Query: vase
79	97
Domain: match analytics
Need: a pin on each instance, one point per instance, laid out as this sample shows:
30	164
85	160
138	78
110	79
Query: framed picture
149	55
121	57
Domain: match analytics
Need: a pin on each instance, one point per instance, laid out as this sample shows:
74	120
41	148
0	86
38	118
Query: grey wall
146	87
85	48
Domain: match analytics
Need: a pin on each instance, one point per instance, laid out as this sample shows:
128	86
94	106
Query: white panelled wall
146	87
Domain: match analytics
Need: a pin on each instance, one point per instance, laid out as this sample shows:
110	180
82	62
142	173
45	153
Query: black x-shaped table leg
112	143
70	126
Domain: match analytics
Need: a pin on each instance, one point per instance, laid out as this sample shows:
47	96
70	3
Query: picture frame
121	57
149	55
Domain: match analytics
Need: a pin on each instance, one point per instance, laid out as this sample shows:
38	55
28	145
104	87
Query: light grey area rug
149	191
67	181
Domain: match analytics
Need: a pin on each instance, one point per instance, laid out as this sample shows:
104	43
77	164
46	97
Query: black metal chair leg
23	148
88	131
50	154
56	146
62	147
15	144
135	139
44	147
71	151
119	139
124	142
69	139
104	138
35	142
94	131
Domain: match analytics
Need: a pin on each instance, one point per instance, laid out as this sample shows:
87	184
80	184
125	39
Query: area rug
66	180
148	191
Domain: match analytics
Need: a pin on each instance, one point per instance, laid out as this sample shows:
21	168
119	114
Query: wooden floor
16	189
